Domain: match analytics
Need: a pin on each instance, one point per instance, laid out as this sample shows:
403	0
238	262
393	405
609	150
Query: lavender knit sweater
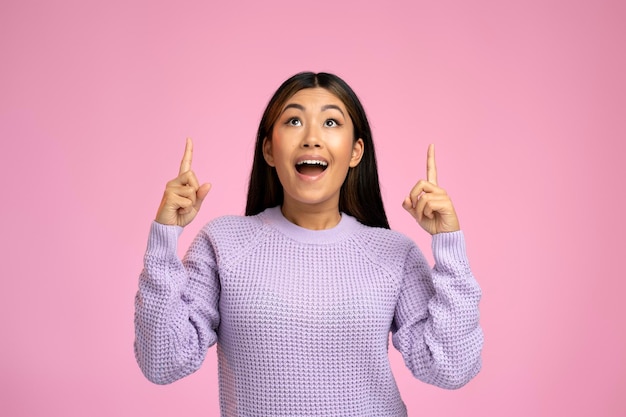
302	318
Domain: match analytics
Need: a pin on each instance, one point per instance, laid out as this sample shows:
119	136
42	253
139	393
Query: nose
311	138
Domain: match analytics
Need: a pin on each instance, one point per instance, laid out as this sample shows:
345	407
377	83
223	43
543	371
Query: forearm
173	327
442	339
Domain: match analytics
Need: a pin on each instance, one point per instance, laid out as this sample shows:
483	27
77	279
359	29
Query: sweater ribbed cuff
449	247
163	240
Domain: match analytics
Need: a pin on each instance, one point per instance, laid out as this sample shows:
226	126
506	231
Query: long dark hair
360	193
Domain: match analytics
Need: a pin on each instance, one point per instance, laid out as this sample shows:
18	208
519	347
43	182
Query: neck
312	217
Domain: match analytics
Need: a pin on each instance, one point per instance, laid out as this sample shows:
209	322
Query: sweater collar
342	230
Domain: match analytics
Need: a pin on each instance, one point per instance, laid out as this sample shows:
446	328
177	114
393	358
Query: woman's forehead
316	96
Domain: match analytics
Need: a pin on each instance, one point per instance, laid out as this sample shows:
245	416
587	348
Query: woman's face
312	147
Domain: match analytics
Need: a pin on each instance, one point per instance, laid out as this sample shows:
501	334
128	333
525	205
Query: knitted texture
302	318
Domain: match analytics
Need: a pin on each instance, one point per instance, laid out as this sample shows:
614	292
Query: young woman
301	294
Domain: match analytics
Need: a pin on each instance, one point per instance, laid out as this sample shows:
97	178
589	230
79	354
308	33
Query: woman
301	293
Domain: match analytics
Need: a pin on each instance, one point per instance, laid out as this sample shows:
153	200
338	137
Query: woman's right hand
183	195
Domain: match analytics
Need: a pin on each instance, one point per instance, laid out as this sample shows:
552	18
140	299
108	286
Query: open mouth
311	167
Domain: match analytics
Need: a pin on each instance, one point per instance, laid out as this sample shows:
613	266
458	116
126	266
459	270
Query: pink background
525	100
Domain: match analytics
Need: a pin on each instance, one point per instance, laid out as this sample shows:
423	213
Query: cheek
276	143
344	148
281	138
281	152
278	150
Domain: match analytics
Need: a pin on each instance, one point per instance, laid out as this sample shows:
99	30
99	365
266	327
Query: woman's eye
331	123
294	122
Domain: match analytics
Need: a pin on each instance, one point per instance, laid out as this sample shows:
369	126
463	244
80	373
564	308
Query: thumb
201	194
407	205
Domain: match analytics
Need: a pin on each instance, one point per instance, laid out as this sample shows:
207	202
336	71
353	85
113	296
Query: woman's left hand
429	204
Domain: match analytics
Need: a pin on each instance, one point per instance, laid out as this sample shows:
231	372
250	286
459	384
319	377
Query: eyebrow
324	107
333	106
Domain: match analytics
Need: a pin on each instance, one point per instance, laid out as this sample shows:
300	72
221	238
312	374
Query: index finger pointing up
431	168
185	164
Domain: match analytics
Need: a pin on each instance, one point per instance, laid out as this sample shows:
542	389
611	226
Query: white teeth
312	162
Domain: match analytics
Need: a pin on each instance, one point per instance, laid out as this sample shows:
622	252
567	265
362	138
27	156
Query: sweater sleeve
436	323
176	306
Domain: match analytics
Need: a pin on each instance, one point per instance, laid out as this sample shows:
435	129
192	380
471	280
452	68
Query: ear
357	152
267	152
